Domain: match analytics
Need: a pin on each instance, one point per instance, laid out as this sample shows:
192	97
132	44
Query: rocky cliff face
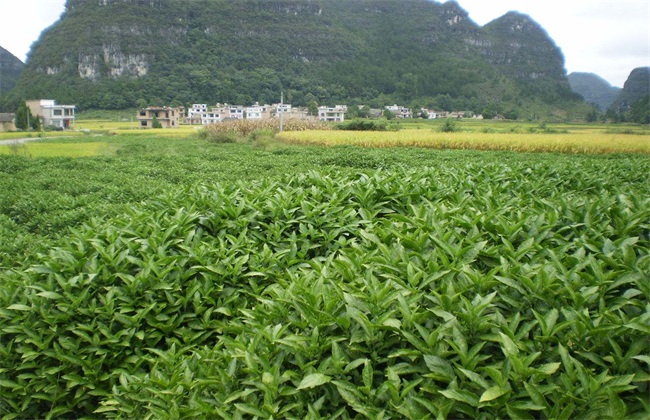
636	87
10	69
594	89
112	53
521	48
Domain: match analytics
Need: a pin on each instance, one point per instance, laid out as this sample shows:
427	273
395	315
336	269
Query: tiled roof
7	117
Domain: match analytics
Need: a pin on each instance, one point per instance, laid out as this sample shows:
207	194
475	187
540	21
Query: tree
449	126
312	107
35	123
592	116
640	111
155	123
364	112
24	117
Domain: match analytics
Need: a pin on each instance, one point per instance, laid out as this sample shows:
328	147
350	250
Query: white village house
258	112
52	114
332	114
400	111
204	115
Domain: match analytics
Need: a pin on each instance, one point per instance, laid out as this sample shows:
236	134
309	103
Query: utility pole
281	108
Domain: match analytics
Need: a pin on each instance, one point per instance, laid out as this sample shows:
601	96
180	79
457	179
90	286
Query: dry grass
245	127
561	143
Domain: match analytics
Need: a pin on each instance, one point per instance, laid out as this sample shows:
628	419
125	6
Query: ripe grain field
180	278
581	142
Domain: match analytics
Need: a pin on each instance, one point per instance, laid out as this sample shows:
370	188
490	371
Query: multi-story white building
400	111
236	112
432	114
285	109
52	114
194	114
215	115
258	112
332	114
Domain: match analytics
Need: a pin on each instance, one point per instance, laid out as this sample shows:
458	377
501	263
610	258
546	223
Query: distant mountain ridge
594	89
636	87
120	53
10	69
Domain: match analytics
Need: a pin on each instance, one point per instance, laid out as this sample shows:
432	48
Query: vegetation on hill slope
10	68
120	53
594	89
633	103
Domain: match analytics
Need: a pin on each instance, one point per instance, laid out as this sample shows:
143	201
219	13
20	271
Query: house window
143	123
57	112
143	113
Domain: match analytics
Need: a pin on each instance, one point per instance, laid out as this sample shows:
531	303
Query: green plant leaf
492	393
549	368
462	396
19	307
313	380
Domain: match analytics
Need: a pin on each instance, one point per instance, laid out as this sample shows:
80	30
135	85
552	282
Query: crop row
475	290
555	142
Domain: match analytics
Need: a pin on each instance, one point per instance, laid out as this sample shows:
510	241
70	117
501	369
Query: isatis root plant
488	292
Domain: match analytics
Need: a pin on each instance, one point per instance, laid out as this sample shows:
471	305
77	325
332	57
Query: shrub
243	128
225	137
449	126
362	125
262	134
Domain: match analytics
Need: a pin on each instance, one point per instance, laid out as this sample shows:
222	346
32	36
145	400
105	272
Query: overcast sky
606	37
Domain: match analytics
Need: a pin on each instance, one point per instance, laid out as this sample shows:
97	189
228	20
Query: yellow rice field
122	127
536	142
59	149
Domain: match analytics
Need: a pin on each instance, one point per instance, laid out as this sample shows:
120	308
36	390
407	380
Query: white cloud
24	20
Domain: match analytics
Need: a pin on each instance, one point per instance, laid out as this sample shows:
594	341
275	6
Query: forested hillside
594	89
121	53
633	103
10	68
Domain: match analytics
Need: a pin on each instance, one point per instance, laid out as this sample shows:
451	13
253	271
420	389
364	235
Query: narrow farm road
24	140
17	141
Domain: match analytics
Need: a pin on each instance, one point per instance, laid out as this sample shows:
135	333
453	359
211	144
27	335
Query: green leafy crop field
179	278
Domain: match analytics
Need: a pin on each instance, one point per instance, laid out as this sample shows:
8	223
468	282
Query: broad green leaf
239	394
355	364
19	307
50	295
509	346
5	383
643	358
527	405
267	378
461	395
314	380
493	393
549	368
393	323
439	366
475	377
617	406
249	409
367	375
